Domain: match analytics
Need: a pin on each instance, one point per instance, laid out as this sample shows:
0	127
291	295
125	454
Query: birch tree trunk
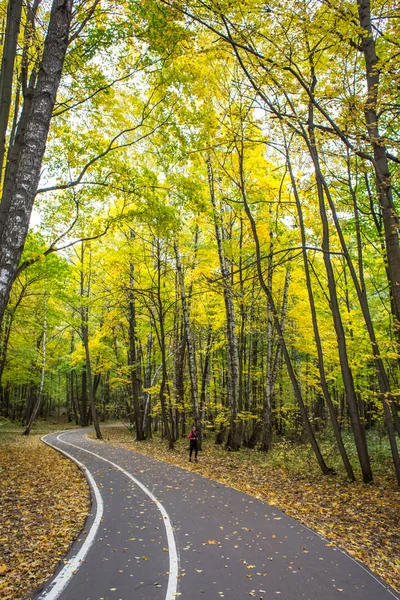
162	342
233	441
22	177
133	359
190	345
147	384
273	368
40	392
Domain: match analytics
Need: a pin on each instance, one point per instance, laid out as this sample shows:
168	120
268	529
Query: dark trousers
193	446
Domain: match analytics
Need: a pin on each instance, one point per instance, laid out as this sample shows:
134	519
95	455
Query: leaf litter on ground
364	520
44	503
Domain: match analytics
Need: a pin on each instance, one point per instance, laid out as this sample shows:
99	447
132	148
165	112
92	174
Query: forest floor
44	500
362	519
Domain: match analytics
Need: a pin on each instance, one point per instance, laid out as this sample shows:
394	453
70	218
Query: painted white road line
172	549
62	579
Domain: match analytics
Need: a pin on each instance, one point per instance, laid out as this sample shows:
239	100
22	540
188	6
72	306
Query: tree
25	156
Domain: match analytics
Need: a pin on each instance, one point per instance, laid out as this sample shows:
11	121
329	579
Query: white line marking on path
172	549
62	579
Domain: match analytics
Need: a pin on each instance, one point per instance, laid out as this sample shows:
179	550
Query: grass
38	427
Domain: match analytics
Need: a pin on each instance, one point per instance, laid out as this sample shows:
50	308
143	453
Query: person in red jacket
193	438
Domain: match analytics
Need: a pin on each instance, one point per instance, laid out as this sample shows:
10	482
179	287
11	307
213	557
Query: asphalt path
158	532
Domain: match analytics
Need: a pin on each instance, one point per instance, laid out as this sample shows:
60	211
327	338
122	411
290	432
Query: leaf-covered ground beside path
44	500
363	520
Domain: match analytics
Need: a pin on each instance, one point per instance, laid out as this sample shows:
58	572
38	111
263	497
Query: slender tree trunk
40	393
83	400
317	337
266	414
189	344
295	383
359	284
85	340
205	374
14	10
348	382
272	370
84	312
233	441
133	356
161	340
73	390
147	385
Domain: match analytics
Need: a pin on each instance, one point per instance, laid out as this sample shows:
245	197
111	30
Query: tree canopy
212	197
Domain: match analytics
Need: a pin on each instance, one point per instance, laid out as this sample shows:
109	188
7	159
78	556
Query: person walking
193	439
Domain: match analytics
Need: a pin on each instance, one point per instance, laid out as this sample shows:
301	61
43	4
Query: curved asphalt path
228	544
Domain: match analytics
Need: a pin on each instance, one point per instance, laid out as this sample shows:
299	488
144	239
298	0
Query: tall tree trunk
85	340
40	393
161	339
360	287
347	375
242	326
381	163
14	10
266	413
317	337
147	385
21	182
84	312
83	399
234	438
133	356
273	369
295	383
205	375
189	344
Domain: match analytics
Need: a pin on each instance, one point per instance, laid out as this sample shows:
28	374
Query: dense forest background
199	219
